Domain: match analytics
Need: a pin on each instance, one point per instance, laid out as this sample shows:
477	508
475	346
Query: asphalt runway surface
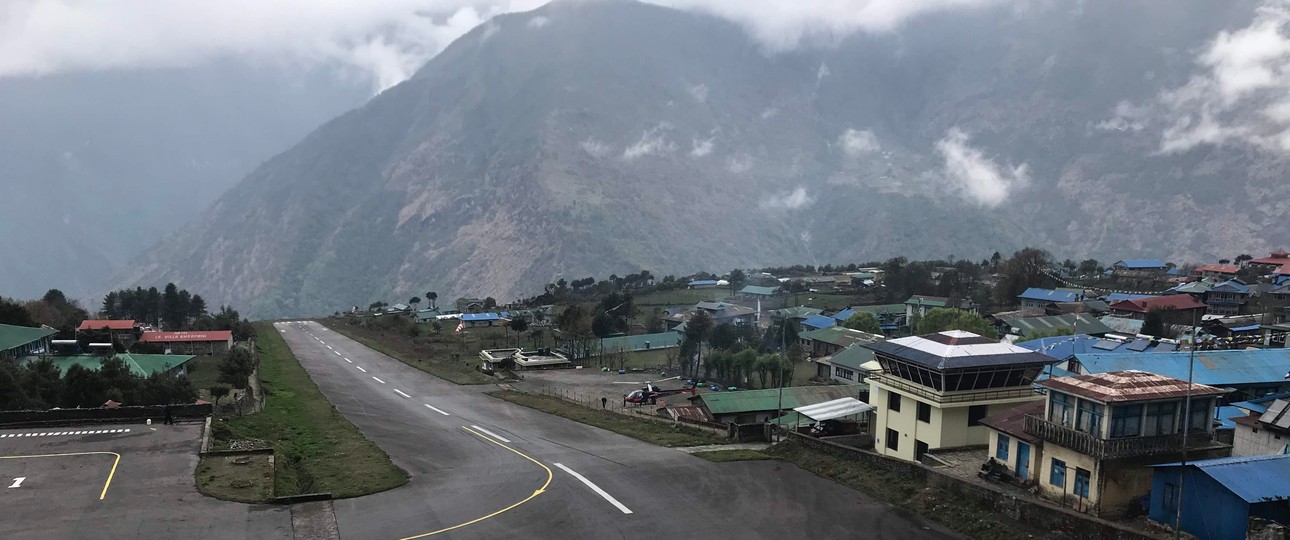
484	468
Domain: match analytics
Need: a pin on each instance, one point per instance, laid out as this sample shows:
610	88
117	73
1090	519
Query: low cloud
594	147
739	164
387	39
699	92
976	176
652	142
1240	94
791	200
858	142
702	147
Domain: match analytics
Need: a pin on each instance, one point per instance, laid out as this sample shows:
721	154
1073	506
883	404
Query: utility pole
1182	471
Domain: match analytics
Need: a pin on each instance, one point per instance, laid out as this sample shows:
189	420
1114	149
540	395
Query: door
1023	460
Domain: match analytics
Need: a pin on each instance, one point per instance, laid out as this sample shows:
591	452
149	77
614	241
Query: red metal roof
1219	268
99	324
1117	386
1277	257
173	337
1172	301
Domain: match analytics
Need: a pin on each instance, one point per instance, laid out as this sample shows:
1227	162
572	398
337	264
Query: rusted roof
1219	268
1173	301
1013	421
1117	386
99	324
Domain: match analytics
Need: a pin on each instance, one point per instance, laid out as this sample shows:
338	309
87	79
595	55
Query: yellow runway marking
539	491
111	474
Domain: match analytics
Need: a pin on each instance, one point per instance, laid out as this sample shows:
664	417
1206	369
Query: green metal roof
142	365
852	357
882	309
1079	323
662	340
768	399
928	301
762	291
12	337
800	312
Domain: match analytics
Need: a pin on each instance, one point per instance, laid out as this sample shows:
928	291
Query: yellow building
1100	433
934	390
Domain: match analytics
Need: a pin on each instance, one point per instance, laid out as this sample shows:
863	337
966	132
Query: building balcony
949	398
1127	447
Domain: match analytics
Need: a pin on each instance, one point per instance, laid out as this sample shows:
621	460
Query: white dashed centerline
490	434
377	380
348	360
337	353
400	392
595	488
435	409
360	368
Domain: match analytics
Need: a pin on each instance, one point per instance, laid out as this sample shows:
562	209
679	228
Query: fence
101	415
736	432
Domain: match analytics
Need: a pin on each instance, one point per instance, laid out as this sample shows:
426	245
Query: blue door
1023	460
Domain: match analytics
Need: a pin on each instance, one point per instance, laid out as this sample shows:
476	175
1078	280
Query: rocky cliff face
589	138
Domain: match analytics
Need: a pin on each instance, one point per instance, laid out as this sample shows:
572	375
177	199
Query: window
1161	419
844	373
1126	421
1081	482
1060	408
976	413
920	448
893	402
1001	447
893	438
924	412
1057	474
1089	418
1199	420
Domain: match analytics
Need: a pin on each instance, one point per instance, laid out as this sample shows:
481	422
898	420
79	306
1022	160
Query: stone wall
125	415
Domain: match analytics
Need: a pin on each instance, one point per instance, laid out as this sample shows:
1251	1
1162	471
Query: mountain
589	138
96	167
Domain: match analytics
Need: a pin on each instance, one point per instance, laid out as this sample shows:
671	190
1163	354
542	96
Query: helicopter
649	394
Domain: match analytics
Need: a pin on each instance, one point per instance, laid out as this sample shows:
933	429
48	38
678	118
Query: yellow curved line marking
539	491
111	474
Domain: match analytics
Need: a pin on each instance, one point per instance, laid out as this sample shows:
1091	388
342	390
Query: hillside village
1065	383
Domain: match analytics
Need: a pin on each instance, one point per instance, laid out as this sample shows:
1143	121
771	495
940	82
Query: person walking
170	421
604	402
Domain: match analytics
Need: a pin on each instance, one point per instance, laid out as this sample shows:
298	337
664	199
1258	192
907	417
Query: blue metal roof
1048	295
1215	368
1231	285
1141	263
1254	479
843	315
1063	347
1249	328
1224	415
1119	296
703	282
819	321
1260	404
474	317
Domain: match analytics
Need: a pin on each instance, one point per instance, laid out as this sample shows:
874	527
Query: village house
1036	297
1077	323
817	322
758	406
919	304
847	366
1277	262
18	341
829	340
1249	373
1216	271
122	331
1100	432
1227	298
142	365
191	342
1174	308
1138	273
755	292
934	390
1265	433
1218	497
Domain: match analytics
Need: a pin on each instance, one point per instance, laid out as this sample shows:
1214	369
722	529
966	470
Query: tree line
39	385
173	309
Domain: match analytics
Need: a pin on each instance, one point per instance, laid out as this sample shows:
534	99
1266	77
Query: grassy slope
660	433
316	449
722	456
431	358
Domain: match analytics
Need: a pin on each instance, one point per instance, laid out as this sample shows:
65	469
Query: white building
935	389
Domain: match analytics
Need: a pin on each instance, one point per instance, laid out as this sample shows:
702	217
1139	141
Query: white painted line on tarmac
435	409
329	347
400	392
490	434
596	489
360	368
377	380
348	360
338	353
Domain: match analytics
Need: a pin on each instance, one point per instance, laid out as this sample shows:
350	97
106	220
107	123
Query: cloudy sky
388	39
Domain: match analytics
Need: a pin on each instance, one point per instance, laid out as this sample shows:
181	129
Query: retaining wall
124	415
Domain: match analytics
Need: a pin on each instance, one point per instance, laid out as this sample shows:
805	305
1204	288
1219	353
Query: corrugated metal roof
852	357
1120	297
882	309
840	336
835	408
1080	323
928	301
99	324
799	312
843	315
1260	404
1121	386
643	342
1143	305
475	317
768	399
142	365
1140	264
1048	295
1064	347
957	349
1214	368
12	337
703	282
1122	325
762	291
1254	479
1013	421
819	321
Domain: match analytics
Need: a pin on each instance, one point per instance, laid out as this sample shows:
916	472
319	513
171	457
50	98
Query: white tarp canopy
837	408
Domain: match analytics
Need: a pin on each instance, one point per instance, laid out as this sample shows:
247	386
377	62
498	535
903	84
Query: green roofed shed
643	342
754	406
23	340
143	365
755	290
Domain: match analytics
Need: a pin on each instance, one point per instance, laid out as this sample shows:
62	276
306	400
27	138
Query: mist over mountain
96	167
589	138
